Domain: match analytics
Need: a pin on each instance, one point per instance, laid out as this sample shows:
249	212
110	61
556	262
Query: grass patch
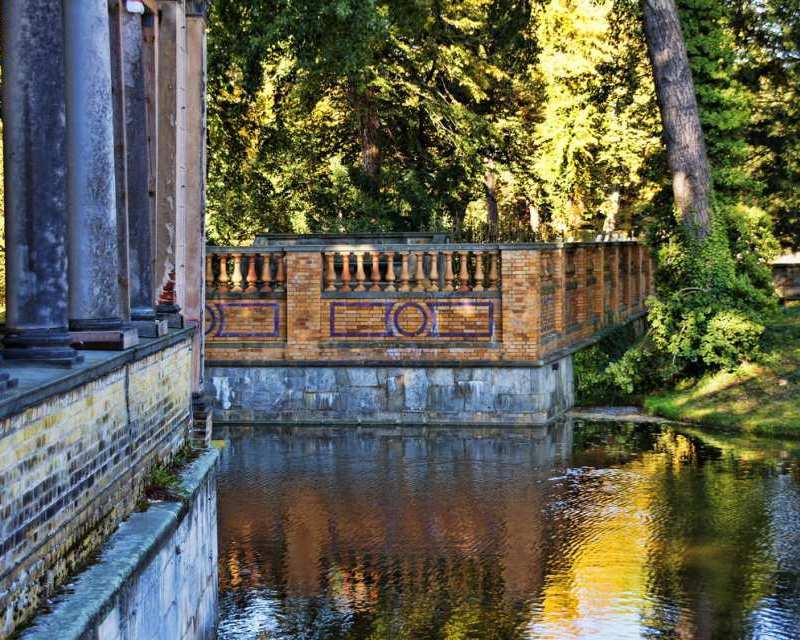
163	482
760	398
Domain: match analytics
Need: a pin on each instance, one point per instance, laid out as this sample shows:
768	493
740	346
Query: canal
578	530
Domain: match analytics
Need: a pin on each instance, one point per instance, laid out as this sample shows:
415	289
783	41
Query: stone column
35	183
170	223
94	297
140	218
194	300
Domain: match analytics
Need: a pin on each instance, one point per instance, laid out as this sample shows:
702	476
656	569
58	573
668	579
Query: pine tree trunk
492	216
686	149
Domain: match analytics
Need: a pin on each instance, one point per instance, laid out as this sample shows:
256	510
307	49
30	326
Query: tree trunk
492	217
610	223
686	149
370	149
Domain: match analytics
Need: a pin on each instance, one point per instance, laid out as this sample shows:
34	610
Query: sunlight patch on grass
757	398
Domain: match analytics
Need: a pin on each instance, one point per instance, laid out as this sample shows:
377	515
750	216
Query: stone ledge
383	294
38	382
406	420
80	611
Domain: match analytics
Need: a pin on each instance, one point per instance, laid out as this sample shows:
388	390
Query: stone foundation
383	394
155	578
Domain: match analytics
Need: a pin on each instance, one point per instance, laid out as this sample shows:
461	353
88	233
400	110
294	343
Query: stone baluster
280	272
345	272
390	271
224	279
404	276
252	277
266	271
375	271
420	284
433	279
493	271
478	271
463	273
449	278
360	275
330	271
236	276
209	271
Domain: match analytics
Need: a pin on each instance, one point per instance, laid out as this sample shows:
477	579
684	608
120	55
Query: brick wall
73	465
549	298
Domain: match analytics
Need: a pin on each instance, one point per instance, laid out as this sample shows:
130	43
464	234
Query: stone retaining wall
382	394
156	578
75	447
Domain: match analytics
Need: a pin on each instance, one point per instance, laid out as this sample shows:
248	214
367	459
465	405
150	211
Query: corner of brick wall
521	309
303	305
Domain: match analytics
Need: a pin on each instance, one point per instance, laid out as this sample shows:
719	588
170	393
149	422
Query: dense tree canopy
525	118
522	119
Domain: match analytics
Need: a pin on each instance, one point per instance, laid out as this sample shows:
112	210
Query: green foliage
713	297
445	95
593	385
759	397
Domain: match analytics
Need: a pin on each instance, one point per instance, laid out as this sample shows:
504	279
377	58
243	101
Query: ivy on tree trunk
686	149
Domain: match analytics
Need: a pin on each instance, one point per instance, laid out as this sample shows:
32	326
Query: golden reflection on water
592	531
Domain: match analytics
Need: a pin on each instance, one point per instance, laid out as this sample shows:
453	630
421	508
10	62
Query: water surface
581	530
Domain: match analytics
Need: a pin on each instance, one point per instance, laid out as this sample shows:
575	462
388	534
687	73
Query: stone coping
423	248
37	382
91	594
405	420
349	295
266	239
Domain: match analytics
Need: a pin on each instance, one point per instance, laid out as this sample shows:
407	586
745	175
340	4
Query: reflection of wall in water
329	510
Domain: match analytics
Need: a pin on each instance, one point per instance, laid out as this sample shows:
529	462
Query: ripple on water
601	531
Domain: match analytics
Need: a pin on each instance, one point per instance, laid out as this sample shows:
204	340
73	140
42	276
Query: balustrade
423	271
245	272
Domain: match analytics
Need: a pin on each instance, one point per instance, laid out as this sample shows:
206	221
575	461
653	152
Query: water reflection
576	531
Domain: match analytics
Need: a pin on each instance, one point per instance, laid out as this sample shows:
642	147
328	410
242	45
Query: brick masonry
551	299
73	466
156	577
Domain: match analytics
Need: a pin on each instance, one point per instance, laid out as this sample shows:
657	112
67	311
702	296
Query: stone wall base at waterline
156	577
391	394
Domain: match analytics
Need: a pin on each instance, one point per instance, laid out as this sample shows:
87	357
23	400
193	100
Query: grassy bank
756	398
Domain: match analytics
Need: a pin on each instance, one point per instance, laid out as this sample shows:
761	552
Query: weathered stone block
444	399
365	400
415	383
441	377
395	393
363	377
513	381
320	379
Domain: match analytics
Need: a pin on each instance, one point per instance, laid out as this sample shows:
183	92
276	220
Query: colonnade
104	129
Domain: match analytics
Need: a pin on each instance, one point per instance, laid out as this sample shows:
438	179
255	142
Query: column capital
197	8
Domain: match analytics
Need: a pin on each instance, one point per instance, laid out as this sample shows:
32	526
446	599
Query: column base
150	328
41	346
95	324
7	382
170	313
115	340
143	314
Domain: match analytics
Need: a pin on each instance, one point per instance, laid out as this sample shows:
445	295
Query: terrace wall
415	315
